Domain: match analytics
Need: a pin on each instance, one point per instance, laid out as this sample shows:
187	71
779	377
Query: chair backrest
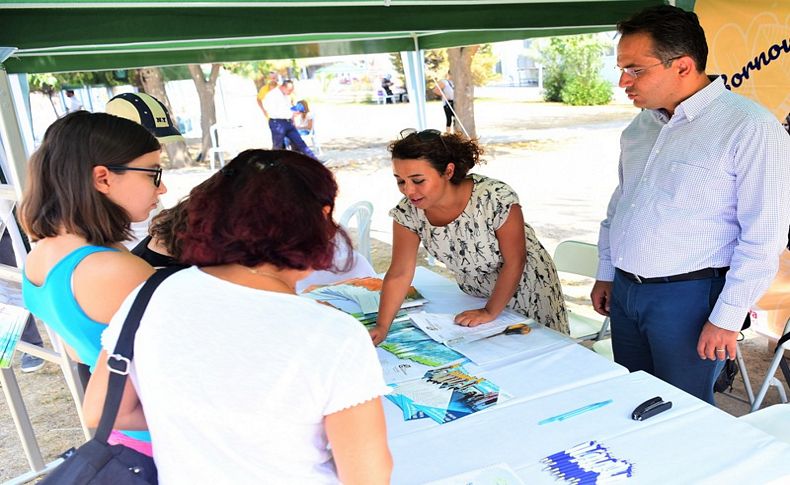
363	210
577	257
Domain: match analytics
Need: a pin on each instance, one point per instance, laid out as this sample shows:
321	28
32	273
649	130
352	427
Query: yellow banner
749	43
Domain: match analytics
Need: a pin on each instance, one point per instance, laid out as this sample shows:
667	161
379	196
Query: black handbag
97	462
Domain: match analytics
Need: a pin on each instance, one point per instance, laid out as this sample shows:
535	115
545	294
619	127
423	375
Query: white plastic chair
216	151
774	420
363	210
580	258
770	380
310	139
12	277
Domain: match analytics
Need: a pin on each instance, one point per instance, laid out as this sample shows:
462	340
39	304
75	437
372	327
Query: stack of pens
588	462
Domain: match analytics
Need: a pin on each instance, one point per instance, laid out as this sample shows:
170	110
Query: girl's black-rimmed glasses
157	178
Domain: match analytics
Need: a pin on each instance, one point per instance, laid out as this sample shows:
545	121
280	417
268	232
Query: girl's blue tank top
55	304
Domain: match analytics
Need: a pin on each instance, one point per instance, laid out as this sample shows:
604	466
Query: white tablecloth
691	443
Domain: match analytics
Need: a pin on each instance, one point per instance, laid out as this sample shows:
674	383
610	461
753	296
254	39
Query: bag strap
120	361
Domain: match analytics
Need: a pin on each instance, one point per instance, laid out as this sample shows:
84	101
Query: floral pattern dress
469	248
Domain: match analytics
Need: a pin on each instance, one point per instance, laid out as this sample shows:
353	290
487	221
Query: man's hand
473	318
601	296
716	343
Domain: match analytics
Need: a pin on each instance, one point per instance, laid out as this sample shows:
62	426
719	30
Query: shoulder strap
120	361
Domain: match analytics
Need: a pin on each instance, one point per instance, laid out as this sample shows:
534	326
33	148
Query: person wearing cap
278	105
303	117
152	114
148	111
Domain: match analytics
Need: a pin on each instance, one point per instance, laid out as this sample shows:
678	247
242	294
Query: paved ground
561	160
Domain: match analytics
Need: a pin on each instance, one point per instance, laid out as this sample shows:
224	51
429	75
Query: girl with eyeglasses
91	177
471	223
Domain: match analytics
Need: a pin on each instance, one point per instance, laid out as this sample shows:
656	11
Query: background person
386	85
693	231
271	83
253	231
278	105
74	102
302	117
446	90
152	114
472	224
93	174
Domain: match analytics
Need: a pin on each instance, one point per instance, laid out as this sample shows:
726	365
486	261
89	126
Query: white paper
399	370
442	328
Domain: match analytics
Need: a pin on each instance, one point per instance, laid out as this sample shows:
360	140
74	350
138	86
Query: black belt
694	275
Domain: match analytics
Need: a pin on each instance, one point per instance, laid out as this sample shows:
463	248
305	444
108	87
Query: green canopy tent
78	35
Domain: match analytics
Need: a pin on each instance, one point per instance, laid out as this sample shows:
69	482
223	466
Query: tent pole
414	70
13	141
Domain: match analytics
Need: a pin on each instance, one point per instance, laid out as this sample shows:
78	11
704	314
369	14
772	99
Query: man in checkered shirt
695	227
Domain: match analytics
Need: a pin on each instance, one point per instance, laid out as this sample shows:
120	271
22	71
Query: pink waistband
118	438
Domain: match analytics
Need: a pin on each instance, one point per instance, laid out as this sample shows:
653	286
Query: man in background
694	229
74	102
277	104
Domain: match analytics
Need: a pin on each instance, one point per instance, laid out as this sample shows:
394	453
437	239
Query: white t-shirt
277	105
302	120
235	382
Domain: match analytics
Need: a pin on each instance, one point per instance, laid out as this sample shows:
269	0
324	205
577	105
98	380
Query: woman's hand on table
378	333
473	318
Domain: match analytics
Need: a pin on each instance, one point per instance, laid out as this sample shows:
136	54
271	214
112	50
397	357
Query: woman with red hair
303	377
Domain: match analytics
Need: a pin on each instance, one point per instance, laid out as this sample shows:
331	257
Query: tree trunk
154	84
208	112
460	59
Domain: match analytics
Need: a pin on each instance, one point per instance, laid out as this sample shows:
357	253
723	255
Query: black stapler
650	408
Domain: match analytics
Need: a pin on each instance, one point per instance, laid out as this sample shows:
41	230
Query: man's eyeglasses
157	177
424	135
634	72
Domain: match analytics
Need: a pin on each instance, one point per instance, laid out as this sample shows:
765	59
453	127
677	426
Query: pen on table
575	412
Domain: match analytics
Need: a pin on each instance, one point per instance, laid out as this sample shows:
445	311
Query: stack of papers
442	327
406	342
360	295
12	323
444	395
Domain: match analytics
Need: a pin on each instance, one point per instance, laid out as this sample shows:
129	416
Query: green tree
571	67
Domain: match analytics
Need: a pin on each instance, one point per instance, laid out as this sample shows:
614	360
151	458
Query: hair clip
261	166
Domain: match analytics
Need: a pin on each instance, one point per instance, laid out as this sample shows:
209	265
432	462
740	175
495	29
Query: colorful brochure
444	395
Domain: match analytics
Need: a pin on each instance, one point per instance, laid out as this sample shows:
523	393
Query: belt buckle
637	278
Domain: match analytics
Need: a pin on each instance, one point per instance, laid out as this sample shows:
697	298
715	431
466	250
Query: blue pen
575	412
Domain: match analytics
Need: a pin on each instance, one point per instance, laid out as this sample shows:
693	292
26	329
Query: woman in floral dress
471	223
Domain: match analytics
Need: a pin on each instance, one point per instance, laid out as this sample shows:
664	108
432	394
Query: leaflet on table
359	295
499	474
444	395
12	323
405	341
442	327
